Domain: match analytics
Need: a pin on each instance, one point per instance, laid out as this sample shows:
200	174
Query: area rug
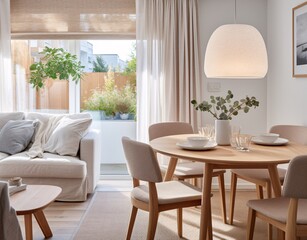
108	215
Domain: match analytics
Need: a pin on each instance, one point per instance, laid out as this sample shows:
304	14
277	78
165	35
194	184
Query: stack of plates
185	145
278	142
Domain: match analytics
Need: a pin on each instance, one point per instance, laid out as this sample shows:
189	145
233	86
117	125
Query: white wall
287	96
110	135
214	13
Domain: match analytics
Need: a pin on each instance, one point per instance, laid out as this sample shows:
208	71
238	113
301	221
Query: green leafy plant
111	99
126	102
122	107
55	64
100	65
95	101
222	108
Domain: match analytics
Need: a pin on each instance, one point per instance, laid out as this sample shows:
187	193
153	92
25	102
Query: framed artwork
299	40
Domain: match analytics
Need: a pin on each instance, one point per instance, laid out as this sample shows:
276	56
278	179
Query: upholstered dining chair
289	212
261	177
9	225
155	196
187	170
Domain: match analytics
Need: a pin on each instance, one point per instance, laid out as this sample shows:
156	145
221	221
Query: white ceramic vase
222	132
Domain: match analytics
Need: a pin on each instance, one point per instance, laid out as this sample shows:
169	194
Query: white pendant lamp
236	51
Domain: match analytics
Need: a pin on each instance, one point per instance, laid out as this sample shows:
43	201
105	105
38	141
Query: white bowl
197	141
269	137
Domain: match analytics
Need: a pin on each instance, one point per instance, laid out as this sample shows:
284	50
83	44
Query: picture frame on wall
299	40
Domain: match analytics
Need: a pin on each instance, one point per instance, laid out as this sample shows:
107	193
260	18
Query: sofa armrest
90	153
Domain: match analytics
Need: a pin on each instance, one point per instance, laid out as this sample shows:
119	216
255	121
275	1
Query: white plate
185	145
278	142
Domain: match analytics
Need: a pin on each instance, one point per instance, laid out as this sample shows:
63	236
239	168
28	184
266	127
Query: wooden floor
65	217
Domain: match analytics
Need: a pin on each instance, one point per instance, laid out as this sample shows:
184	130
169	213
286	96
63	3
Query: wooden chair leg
291	219
195	182
269	190
179	222
131	223
209	231
233	189
223	197
259	191
251	224
269	195
152	225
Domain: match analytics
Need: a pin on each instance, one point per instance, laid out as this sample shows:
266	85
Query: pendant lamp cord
235	12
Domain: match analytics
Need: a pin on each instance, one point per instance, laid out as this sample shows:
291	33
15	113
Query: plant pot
96	115
222	132
106	117
124	116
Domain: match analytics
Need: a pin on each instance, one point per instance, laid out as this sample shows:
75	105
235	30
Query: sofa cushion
3	155
65	138
5	117
50	166
16	135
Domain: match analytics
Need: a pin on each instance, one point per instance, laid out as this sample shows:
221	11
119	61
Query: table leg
206	218
171	169
276	188
42	222
28	226
275	180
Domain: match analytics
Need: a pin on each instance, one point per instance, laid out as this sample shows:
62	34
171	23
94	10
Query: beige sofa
76	175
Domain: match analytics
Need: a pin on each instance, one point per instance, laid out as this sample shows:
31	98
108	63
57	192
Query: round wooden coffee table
32	201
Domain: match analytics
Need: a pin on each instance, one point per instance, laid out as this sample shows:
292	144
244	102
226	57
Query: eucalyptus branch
214	114
234	110
223	108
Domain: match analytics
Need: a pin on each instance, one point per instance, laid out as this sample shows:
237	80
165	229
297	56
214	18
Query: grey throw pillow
16	135
5	117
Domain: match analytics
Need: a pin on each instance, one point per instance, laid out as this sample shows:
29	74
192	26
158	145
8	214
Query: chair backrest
142	162
169	128
293	133
295	184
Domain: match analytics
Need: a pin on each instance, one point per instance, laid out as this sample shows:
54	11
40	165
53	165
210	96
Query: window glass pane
108	88
54	97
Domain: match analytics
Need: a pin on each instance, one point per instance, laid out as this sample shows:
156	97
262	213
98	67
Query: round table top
34	198
258	154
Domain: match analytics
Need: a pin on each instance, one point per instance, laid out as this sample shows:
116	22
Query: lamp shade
236	51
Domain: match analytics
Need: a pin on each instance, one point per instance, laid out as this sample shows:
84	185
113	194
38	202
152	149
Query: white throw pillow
65	138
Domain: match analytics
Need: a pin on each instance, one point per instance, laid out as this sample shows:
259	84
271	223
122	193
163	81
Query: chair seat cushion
168	192
50	166
187	169
261	174
277	208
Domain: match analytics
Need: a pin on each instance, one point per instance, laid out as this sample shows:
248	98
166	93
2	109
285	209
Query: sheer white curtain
6	85
168	63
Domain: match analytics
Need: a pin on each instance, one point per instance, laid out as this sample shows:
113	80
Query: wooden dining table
226	157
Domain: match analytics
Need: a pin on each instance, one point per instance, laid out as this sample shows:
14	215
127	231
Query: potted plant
93	104
56	63
126	104
123	108
108	105
223	109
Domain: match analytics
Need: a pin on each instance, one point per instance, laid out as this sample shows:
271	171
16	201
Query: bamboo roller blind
73	19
